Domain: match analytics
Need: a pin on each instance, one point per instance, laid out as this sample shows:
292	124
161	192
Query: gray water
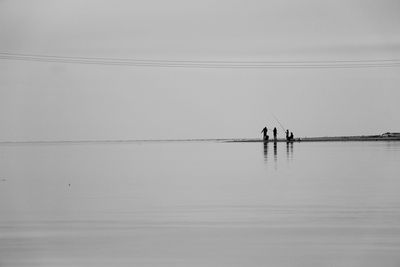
200	204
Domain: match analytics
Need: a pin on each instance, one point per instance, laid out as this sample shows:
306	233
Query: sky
70	101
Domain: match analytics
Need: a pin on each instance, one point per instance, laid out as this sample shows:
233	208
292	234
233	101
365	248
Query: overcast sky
61	101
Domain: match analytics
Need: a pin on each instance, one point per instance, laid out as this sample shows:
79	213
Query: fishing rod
283	128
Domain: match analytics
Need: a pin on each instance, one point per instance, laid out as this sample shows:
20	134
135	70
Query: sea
200	203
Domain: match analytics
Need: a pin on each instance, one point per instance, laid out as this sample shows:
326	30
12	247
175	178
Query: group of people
289	137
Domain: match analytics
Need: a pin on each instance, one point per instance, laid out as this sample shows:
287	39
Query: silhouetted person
287	135
291	136
275	133
265	136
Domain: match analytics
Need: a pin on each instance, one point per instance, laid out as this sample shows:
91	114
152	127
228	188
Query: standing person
287	135
264	131
291	137
275	133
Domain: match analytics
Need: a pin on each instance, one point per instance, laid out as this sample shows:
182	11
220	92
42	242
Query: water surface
200	204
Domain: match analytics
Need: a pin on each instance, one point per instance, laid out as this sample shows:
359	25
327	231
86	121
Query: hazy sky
58	101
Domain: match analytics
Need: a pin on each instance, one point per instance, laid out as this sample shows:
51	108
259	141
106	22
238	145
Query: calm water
200	204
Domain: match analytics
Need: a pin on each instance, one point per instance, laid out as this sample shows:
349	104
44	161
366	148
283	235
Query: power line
300	64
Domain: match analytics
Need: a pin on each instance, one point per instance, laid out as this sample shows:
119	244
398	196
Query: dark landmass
369	138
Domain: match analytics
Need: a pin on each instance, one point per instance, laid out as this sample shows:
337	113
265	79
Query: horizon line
160	140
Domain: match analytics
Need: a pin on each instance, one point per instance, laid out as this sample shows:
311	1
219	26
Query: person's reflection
289	150
265	151
275	154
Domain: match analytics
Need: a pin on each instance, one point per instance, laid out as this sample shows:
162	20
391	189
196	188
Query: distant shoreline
365	138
